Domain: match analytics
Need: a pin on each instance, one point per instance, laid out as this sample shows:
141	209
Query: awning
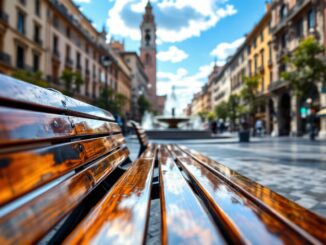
322	113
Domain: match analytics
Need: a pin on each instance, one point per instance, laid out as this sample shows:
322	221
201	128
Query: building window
68	55
255	63
262	58
299	28
78	60
68	32
37	32
311	20
283	11
55	44
38	7
255	43
21	22
36	62
271	76
284	40
270	51
20	57
23	2
262	36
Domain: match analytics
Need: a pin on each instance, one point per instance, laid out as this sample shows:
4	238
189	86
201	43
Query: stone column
267	117
275	116
322	132
295	116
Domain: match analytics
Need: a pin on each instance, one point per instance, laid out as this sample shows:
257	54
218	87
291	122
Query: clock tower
148	51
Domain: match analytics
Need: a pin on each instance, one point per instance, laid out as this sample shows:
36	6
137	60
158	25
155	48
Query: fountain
171	119
172	125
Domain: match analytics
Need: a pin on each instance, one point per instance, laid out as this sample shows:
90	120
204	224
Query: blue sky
191	34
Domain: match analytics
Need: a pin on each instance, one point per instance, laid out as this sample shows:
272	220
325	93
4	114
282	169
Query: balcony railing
88	72
69	62
56	54
5	58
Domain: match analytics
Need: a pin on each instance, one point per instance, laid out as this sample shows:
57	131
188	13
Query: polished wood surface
121	216
15	93
184	220
272	216
26	170
30	222
23	127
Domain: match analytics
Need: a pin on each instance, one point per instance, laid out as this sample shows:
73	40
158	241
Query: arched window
148	60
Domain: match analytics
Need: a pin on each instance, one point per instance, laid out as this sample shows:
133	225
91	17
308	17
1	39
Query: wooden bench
66	177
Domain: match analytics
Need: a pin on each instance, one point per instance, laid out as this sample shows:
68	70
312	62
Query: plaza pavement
292	167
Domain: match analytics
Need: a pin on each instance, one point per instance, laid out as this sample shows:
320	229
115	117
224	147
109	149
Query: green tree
203	115
111	101
221	110
233	109
306	67
31	77
143	105
248	96
70	79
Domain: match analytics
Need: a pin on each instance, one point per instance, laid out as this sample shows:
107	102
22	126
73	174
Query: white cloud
173	54
223	50
185	84
83	1
176	20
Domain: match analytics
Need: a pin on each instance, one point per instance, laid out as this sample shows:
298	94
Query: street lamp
106	62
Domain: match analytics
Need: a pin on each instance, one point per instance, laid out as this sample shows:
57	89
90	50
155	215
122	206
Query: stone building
53	35
139	81
293	20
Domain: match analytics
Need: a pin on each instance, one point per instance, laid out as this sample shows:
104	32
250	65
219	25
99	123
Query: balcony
69	62
4	17
5	58
277	85
299	6
56	55
88	72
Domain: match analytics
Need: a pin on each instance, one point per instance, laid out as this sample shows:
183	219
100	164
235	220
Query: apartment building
22	37
238	68
52	36
260	63
222	86
293	20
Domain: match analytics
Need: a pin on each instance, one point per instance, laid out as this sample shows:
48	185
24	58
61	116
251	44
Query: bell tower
148	50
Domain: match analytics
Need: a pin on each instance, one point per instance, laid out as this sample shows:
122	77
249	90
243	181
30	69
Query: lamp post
106	62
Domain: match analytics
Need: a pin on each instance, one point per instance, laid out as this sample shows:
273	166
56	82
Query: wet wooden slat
184	220
14	92
121	216
263	213
141	135
22	126
28	223
23	171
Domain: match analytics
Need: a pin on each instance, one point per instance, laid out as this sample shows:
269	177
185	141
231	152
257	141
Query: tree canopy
306	67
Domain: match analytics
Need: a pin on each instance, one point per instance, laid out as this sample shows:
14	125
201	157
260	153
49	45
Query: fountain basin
178	134
172	122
